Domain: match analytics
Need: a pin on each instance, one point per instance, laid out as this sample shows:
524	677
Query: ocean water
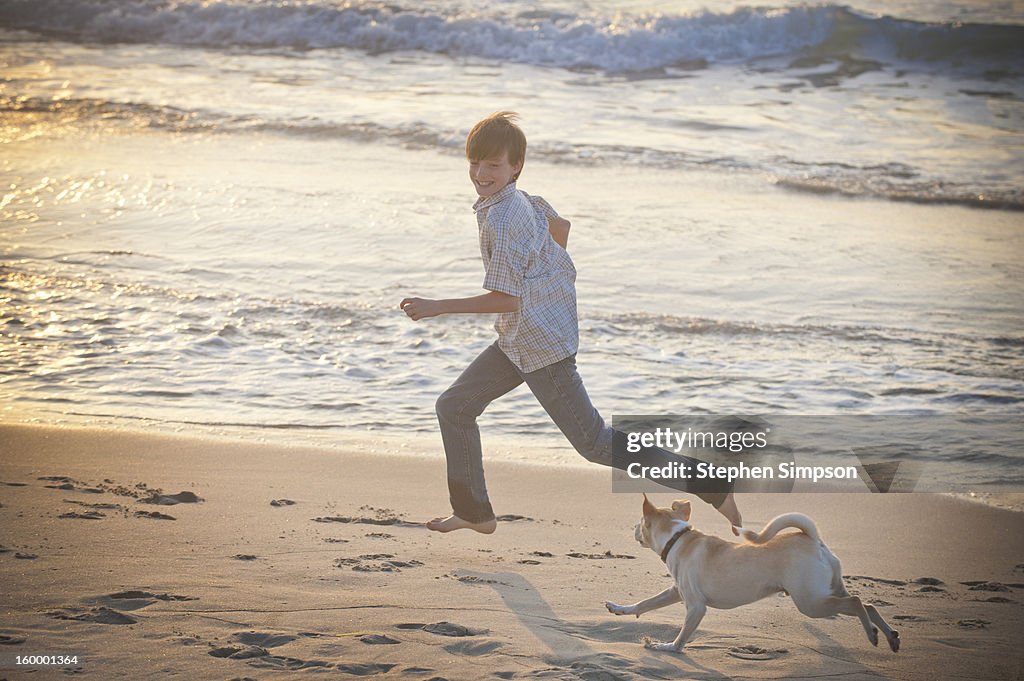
210	210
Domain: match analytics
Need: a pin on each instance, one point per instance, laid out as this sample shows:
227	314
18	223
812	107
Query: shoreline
501	450
340	574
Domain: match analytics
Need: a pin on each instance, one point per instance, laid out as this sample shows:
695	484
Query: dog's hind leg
694	614
856	607
666	597
891	635
838	605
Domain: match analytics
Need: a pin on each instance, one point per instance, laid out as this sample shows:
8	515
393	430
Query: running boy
530	283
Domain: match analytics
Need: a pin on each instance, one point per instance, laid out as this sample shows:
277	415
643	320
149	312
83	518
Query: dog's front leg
694	614
666	597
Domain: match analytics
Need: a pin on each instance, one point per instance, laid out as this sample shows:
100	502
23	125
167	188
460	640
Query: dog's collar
672	542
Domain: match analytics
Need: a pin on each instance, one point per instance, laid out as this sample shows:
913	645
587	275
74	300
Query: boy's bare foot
731	512
454	522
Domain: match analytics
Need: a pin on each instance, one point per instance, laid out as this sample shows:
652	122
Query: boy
530	283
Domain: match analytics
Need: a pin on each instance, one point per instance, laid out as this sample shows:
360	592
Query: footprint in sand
512	517
253	646
154	515
171	499
929	584
235	653
125	600
280	662
386	566
376	562
472	579
262	639
137	594
99	615
590	671
88	515
68	484
444	629
105	507
879	580
928	581
473	648
25	556
244	556
752	652
6	640
138	491
601	556
378	640
382	517
986	586
282	502
452	629
973	624
366	669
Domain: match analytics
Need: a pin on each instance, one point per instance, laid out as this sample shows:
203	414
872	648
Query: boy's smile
490	175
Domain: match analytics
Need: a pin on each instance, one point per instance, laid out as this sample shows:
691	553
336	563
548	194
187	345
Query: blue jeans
559	389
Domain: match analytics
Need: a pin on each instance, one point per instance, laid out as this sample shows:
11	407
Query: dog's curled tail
797	520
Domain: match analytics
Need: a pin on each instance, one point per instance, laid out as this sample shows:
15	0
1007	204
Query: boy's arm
485	303
557	225
559	228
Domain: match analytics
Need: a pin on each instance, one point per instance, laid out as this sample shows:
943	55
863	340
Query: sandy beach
161	557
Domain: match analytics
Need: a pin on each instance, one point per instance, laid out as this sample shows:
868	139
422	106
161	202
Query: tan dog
709	571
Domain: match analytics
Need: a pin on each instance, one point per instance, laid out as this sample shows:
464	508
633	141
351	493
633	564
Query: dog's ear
682	509
649	508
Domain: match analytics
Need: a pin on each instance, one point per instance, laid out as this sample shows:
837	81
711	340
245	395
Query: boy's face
490	175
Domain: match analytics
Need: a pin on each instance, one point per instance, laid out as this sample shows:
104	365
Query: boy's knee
595	456
450	407
596	449
444	406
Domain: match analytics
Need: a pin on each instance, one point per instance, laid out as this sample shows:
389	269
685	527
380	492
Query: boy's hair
494	136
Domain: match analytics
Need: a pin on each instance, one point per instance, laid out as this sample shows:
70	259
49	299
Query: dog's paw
873	636
616	609
894	641
659	645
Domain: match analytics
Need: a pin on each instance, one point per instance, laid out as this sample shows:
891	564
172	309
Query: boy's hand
559	228
487	303
420	308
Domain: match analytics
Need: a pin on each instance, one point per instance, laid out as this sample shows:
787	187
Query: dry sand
339	579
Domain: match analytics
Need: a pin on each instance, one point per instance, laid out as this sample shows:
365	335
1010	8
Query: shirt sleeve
542	206
505	269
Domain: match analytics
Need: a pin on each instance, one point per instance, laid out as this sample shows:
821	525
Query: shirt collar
497	197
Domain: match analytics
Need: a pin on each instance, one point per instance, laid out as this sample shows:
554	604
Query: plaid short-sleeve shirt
521	259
